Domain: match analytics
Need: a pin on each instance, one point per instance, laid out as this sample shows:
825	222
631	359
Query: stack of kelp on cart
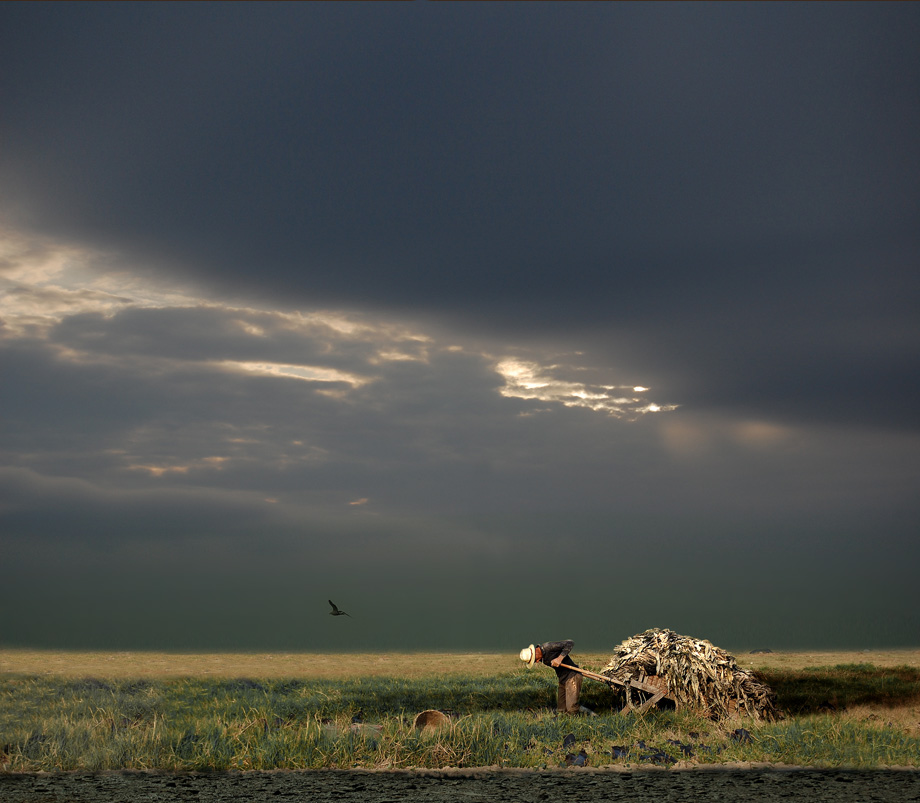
690	673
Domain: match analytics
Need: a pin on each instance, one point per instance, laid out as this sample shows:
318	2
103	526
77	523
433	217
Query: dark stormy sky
493	323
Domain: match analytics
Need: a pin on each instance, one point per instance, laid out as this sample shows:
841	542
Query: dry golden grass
801	660
354	665
338	666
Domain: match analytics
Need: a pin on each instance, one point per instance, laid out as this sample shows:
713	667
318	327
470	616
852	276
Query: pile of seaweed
694	674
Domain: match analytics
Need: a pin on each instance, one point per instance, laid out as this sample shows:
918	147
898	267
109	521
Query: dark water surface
844	786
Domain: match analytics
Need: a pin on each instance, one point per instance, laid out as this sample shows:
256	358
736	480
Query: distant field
112	665
353	665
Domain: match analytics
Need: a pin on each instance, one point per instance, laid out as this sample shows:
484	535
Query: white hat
529	655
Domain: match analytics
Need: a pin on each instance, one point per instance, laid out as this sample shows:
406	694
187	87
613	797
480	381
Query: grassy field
410	665
106	711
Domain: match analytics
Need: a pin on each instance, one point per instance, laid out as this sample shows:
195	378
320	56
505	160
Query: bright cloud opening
307	373
529	380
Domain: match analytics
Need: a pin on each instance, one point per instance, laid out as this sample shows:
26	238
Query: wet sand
485	785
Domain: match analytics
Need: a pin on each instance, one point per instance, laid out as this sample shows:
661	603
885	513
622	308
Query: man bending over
556	655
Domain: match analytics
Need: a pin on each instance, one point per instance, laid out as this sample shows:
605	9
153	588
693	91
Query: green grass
51	723
843	686
826	741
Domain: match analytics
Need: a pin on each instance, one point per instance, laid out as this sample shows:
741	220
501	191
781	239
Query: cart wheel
634	698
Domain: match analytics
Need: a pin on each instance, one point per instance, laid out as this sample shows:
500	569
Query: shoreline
476	772
483	785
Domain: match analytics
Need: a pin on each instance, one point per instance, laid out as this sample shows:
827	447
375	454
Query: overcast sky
493	323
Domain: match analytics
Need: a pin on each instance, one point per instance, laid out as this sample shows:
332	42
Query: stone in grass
644	753
580	760
431	720
686	749
657	756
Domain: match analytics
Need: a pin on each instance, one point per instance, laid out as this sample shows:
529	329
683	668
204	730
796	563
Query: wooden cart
646	694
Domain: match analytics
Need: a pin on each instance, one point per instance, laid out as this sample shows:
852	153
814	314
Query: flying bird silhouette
336	612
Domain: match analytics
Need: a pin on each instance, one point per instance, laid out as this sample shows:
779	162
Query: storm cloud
491	322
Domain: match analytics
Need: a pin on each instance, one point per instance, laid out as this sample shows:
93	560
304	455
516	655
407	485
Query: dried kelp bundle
694	673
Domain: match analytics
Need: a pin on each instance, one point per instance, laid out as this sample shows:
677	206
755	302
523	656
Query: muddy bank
583	785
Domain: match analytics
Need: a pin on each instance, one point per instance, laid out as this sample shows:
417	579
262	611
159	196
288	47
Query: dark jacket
552	650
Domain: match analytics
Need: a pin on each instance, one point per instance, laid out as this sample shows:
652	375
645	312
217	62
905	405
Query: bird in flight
336	612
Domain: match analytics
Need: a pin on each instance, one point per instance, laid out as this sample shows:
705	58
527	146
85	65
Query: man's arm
559	650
